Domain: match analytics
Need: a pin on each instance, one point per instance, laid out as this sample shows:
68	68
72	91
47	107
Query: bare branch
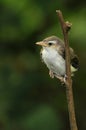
69	93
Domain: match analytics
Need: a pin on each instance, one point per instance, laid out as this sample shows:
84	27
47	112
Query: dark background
29	98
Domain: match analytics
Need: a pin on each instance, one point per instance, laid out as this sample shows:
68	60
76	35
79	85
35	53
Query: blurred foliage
29	98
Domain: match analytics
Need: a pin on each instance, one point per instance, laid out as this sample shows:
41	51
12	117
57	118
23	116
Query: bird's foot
51	74
61	78
65	78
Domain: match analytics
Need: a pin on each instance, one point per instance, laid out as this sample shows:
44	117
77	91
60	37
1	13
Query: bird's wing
73	57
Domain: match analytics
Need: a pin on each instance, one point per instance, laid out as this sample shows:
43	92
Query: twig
69	93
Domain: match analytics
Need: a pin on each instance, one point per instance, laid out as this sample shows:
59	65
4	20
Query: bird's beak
41	43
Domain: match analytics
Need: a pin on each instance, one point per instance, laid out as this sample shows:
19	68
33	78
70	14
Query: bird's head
51	42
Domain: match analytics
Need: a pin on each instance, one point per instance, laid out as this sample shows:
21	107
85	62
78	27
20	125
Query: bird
53	55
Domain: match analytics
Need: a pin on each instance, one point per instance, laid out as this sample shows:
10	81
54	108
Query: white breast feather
54	61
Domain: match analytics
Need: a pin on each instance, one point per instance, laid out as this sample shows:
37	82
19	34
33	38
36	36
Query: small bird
53	55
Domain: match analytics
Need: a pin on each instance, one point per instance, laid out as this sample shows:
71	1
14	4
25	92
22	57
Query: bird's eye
50	43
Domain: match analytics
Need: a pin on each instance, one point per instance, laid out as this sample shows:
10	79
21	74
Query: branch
69	93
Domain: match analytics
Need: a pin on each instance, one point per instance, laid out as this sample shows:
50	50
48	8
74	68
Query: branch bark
69	93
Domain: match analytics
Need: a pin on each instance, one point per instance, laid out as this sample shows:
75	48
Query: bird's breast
54	61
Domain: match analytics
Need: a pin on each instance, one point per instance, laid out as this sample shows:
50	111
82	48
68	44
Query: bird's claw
62	79
65	78
51	74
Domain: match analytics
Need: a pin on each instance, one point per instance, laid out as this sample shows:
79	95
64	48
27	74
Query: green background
29	98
